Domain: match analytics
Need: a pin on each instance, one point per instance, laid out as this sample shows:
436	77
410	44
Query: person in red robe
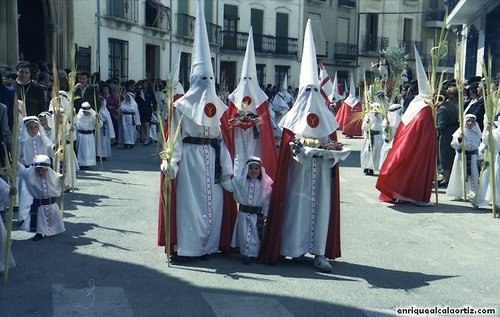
304	213
349	114
408	171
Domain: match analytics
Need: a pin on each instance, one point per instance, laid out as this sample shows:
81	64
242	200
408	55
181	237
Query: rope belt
215	143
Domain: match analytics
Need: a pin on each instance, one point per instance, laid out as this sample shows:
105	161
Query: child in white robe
107	132
130	119
45	186
252	191
372	144
394	115
32	141
484	195
471	138
5	192
85	140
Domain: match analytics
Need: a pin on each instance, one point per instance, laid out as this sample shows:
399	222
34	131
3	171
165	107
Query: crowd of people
267	180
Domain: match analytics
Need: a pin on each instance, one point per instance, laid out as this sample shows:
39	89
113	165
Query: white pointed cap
309	65
174	76
249	69
201	103
248	88
309	116
351	99
424	88
201	61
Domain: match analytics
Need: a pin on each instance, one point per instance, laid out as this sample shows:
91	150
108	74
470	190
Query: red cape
228	217
349	119
409	167
266	134
271	243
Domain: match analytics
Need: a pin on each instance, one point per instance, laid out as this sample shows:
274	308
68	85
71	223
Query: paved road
107	262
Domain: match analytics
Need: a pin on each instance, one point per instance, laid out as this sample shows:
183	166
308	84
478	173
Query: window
280	72
257	22
281	33
118	59
261	74
230	25
157	15
184	70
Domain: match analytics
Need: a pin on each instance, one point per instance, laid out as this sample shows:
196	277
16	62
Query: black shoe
370	172
366	172
246	260
442	184
37	237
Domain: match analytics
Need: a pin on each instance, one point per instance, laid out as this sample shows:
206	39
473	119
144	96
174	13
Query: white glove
169	170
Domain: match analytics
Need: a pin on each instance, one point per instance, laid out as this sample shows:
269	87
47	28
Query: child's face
43	122
254	171
32	128
470	123
40	171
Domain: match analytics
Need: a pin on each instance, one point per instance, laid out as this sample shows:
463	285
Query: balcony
264	44
185	25
213	31
372	45
347	3
347	52
409	47
434	18
158	16
123	10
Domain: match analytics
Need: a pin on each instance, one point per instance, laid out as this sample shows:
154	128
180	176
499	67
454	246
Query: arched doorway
31	23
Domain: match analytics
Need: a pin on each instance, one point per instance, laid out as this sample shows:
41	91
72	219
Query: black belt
130	113
215	143
86	131
34	210
372	132
473	152
250	209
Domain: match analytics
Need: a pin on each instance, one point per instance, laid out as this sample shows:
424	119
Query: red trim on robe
271	244
228	218
409	167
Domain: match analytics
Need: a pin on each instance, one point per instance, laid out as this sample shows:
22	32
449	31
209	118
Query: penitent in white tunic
199	199
307	206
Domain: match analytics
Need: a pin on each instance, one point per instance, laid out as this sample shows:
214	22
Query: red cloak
271	243
349	119
408	170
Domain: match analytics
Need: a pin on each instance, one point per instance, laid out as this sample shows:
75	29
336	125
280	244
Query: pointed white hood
201	103
424	91
336	96
309	116
248	88
351	99
325	82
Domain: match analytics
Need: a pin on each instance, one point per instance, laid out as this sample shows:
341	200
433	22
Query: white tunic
370	153
107	132
249	192
484	192
394	120
49	218
4	203
130	119
307	206
199	199
85	143
28	148
472	140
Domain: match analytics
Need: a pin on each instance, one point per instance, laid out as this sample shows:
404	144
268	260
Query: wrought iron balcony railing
409	47
373	45
185	25
123	9
346	51
236	41
434	15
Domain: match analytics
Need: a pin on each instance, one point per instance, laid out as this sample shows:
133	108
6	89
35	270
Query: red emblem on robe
312	120
210	110
247	100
